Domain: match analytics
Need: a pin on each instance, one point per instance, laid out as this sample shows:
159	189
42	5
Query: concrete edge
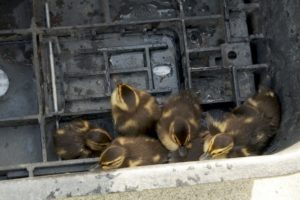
150	177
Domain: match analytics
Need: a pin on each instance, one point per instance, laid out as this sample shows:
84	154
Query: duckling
247	130
133	151
135	112
237	136
81	126
179	123
193	153
265	104
69	140
97	139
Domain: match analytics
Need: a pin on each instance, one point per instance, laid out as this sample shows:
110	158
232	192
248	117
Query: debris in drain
130	10
161	70
4	83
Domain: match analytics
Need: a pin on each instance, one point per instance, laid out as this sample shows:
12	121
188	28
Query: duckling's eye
175	139
218	152
109	164
104	144
211	142
187	140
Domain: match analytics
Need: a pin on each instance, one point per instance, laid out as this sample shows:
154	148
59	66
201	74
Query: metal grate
65	67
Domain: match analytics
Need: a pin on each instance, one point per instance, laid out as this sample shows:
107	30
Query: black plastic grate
160	46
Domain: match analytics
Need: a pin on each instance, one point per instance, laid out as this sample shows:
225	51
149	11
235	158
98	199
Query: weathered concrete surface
240	190
279	188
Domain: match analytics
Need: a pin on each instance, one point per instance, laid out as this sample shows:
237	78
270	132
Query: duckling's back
185	105
185	100
142	151
265	103
69	143
250	132
140	122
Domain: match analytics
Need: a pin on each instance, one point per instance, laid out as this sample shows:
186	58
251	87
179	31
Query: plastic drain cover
4	83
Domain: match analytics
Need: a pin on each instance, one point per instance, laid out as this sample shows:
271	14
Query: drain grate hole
250	24
232	55
254	53
218	61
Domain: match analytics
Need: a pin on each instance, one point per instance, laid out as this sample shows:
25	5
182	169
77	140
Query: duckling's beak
182	151
205	156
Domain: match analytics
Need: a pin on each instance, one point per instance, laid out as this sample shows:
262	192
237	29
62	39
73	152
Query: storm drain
60	60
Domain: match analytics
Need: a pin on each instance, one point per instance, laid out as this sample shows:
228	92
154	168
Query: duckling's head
180	134
125	98
98	139
81	126
112	158
217	146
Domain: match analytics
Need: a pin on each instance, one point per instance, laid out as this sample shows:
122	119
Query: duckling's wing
245	110
215	126
268	105
147	151
260	136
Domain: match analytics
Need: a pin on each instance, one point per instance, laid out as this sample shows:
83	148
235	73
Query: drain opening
232	55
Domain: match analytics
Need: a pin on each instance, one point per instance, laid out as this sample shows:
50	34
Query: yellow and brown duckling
81	126
135	112
97	139
264	104
246	131
179	122
79	139
132	152
193	153
70	142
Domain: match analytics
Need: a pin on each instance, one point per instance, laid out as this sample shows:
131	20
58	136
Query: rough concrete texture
227	190
279	188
